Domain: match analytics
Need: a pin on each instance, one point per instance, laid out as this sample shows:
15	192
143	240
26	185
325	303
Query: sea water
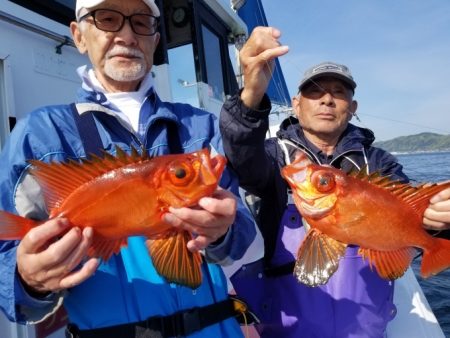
431	167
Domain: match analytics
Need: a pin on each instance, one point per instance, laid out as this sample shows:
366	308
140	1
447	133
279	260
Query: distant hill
423	142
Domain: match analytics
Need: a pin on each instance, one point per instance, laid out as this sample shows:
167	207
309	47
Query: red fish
383	217
126	195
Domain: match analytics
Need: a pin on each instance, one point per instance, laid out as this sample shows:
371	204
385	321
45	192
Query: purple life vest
355	303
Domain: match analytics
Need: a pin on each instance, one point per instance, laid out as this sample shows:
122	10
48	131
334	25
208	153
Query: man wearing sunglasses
117	106
355	302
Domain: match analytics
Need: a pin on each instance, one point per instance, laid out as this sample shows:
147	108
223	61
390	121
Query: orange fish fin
375	178
358	173
418	197
174	261
317	258
59	179
389	264
105	248
436	259
14	227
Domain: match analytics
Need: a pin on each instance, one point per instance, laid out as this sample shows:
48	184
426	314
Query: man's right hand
257	62
48	255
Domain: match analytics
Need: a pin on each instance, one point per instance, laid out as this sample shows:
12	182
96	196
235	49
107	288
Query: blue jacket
355	302
126	288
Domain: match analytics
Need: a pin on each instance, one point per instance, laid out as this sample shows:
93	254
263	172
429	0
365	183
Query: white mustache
124	51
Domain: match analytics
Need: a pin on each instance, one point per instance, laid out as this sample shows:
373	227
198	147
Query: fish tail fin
14	227
436	259
174	261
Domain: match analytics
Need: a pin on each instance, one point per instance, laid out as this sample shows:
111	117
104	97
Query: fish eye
180	173
324	181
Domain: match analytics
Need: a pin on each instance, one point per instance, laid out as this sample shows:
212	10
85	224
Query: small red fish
381	216
126	195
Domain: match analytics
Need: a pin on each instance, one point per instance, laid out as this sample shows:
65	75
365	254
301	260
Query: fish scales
127	195
383	217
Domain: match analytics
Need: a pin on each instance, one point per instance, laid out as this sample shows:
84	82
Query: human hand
437	215
49	253
209	222
257	62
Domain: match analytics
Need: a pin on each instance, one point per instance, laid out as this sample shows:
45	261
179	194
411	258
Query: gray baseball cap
331	69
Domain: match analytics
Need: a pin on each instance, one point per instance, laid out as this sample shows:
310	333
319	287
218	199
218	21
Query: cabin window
212	41
197	46
183	75
213	71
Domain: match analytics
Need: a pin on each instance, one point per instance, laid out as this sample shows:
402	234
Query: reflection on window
183	80
213	64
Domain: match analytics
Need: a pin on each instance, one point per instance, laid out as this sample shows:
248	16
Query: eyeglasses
109	20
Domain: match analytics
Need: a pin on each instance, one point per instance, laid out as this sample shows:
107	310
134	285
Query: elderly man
355	302
117	106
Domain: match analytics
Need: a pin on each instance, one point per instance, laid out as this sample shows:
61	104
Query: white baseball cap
87	4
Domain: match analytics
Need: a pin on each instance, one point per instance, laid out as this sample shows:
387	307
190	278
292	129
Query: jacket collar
91	97
92	91
353	138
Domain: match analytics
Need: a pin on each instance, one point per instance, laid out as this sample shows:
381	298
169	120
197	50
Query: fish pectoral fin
317	258
389	264
174	261
105	248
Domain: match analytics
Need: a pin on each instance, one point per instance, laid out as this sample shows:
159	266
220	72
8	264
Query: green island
423	142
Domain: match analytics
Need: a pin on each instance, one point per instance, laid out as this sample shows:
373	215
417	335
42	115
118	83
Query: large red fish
126	195
381	216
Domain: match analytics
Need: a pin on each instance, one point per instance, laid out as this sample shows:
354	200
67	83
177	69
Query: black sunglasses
109	20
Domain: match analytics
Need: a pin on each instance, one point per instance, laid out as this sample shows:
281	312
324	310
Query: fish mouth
211	168
312	211
315	207
218	163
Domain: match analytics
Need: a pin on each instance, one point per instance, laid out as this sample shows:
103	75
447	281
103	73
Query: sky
398	52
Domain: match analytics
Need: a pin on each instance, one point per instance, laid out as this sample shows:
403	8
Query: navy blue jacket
359	307
257	160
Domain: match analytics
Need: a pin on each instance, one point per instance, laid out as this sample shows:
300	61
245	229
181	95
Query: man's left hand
437	215
209	222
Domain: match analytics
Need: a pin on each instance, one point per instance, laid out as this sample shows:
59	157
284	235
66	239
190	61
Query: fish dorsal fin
374	177
358	173
317	258
174	261
389	264
59	179
417	197
105	248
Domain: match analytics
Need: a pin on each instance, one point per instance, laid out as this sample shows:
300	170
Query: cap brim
351	83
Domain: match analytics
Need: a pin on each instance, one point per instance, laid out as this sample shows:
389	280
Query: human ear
296	104
353	107
78	37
